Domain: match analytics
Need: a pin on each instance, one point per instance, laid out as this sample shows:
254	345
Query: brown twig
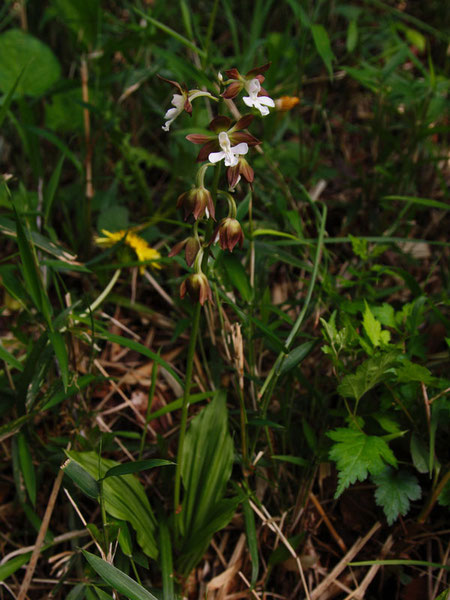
40	537
331	529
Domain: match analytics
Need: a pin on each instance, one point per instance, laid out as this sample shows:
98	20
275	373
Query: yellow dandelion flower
143	251
286	102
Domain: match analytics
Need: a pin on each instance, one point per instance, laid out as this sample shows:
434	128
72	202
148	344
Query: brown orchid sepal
191	247
237	82
197	286
241	169
198	202
229	233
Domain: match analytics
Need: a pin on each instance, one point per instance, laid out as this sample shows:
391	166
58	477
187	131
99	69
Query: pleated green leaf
118	580
124	497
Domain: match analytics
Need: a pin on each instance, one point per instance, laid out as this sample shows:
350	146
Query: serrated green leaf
444	496
372	327
409	371
367	375
419	454
394	491
118	580
385	314
357	455
124	498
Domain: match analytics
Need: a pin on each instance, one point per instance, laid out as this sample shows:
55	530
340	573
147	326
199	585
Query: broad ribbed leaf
124	497
205	470
117	579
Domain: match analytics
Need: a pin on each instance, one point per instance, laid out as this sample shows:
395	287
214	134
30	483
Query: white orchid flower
178	101
181	101
229	153
253	87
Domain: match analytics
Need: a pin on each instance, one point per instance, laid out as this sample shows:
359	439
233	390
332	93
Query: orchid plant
228	142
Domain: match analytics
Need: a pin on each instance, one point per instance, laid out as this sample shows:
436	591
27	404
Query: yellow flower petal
143	251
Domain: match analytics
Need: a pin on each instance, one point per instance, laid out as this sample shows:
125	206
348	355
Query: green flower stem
232	210
151	393
185	409
272	377
200	177
209	32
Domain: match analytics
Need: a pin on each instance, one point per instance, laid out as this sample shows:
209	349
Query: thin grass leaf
123	341
9	228
60	349
177	404
10	359
52	187
29	267
400	562
295	460
426	202
13	565
172	33
59	396
118	580
166	560
9	98
51	137
27	467
136	467
252	540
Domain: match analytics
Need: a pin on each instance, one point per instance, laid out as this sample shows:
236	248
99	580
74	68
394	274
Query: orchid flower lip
228	153
253	87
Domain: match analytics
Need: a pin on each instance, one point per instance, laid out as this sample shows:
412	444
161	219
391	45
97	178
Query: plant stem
274	373
434	496
185	407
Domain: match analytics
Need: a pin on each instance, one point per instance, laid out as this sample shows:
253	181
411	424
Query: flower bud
197	202
229	233
191	247
197	286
